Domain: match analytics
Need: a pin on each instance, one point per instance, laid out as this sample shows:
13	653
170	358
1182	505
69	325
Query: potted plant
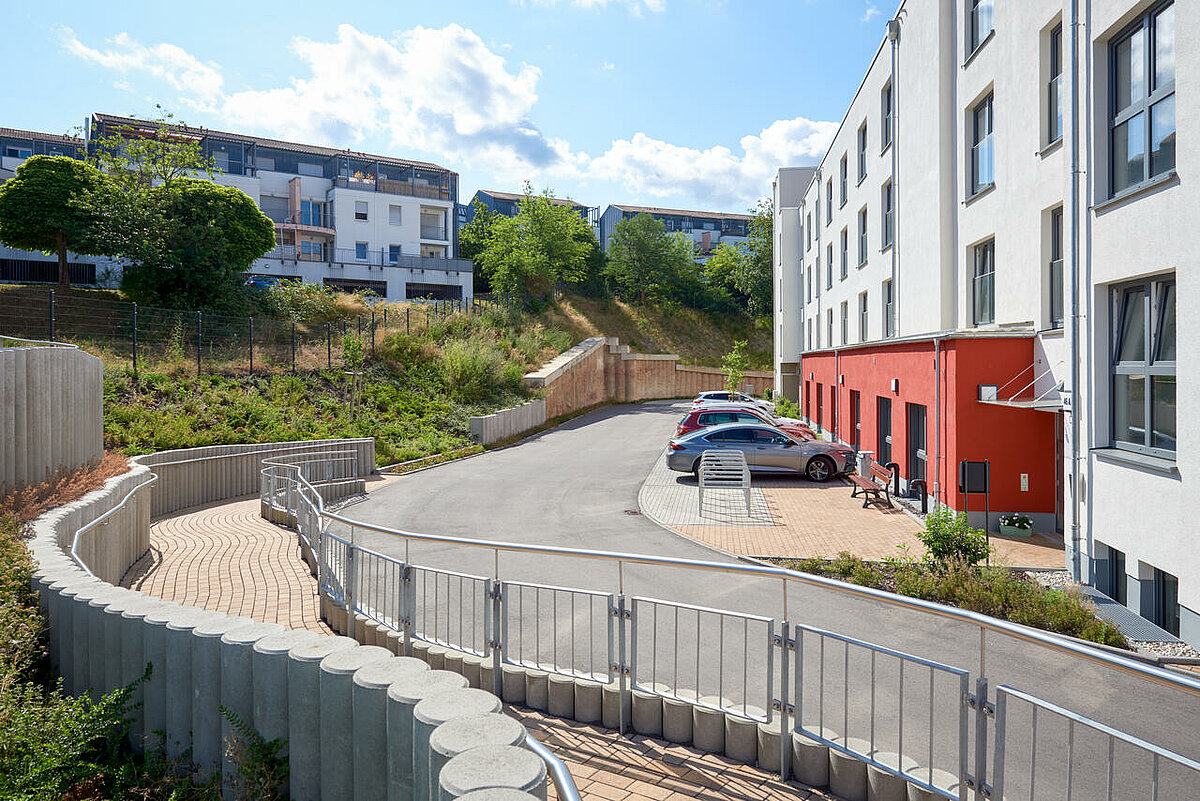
1016	525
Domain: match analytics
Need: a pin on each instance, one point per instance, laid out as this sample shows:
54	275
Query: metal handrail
265	460
39	342
563	783
89	526
983	622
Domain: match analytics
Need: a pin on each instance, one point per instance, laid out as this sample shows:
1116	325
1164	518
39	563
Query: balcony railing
371	258
393	187
433	232
982	165
311	220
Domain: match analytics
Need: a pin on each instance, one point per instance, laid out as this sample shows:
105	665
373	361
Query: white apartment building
706	229
989	259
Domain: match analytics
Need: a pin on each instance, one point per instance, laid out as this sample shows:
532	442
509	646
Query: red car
716	415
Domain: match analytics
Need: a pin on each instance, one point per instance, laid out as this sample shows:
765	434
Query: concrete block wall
50	412
332	698
508	422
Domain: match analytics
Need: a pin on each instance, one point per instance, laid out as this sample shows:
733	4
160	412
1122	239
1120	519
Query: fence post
251	346
51	315
329	344
372	333
135	342
358	322
385	317
293	346
407	330
198	340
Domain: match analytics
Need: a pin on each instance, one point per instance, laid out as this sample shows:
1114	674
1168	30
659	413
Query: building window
862	236
1143	100
829	266
862	152
312	212
889	310
808	233
393	254
982	161
845	321
984	283
1143	367
829	327
887	214
1056	268
981	22
17	152
845	251
360	251
810	283
395	215
308	168
1165	609
844	179
885	117
360	209
1054	88
829	201
862	317
809	339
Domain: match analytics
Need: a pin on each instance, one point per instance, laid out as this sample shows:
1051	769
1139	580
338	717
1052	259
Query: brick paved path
225	557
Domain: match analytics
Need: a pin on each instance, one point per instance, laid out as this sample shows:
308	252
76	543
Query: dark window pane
1162	136
1129	152
1129	409
739	435
1133	327
1163	411
1164	47
1166	331
1130	70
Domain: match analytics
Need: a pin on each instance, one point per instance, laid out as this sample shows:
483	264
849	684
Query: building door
855	420
808	401
883	450
916	442
1117	588
1166	601
1059	456
833	415
820	406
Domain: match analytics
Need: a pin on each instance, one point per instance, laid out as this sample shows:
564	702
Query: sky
678	103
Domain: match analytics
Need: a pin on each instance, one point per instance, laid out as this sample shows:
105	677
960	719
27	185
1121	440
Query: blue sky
689	103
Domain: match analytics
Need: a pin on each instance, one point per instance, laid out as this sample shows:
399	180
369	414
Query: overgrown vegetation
786	407
735	364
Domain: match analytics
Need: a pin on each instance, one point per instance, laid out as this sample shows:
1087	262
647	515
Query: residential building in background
508	204
990	257
706	229
787	192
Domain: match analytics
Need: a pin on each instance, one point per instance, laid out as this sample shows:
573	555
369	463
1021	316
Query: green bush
784	407
473	370
949	538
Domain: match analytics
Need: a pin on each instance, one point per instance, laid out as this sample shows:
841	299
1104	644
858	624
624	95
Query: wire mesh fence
171	340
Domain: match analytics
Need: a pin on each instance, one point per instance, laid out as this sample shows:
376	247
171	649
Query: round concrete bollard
73	647
237	680
611	702
741	734
106	654
472	667
938	778
402	699
154	652
847	774
304	713
708	725
59	616
133	662
395	643
114	665
179	677
453	661
487	677
436	656
769	740
884	786
269	666
364	629
419	649
380	637
369	696
493	767
82	644
512	684
648	710
433	711
561	696
589	701
460	735
537	690
497	794
810	759
677	717
337	716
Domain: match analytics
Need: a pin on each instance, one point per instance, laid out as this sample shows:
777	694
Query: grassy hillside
698	337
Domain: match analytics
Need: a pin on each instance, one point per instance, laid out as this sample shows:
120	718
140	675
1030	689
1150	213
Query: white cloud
871	13
167	62
607	66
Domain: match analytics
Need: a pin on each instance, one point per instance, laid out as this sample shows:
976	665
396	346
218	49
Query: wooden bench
724	470
878	480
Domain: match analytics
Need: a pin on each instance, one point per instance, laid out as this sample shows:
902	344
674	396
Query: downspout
837	399
937	422
1076	562
893	34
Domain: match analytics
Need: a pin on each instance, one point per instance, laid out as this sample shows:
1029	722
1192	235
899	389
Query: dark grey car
767	450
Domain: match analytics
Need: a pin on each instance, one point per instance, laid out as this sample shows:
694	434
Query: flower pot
1013	531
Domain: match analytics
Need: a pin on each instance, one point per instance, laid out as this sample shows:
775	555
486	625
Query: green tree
545	243
754	278
151	152
724	265
644	261
210	234
735	364
472	241
38	209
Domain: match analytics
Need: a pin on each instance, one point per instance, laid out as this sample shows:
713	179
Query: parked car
715	415
767	450
721	396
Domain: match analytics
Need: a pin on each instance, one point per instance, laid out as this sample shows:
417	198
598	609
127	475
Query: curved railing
101	520
26	343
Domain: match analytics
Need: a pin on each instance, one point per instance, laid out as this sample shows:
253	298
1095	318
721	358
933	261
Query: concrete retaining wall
50	412
600	370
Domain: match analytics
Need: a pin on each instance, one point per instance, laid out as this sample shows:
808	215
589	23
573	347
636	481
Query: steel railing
101	520
34	343
933	728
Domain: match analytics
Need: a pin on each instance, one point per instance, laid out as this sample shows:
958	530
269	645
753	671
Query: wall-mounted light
988	392
842	379
895	385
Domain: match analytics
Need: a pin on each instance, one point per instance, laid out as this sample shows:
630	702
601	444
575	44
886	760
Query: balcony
379	259
393	187
310	223
437	232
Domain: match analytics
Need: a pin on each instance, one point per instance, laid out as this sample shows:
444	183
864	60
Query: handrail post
785	739
498	645
624	692
349	588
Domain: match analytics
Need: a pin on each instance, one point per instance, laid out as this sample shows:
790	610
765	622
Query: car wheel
696	469
819	468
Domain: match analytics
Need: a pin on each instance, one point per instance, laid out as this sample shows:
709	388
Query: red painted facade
1016	441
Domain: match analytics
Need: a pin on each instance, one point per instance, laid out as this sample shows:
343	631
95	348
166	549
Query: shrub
949	538
473	370
784	407
1024	522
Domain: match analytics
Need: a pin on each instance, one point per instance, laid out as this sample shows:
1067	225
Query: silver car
767	450
722	397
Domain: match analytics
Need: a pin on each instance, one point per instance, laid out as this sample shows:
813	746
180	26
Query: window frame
988	104
863	320
862	151
845	253
887	199
365	213
829	266
1057	292
863	241
1153	96
889	308
398	217
886	101
978	278
845	179
828	201
1155	289
845	321
976	35
366	251
1055	124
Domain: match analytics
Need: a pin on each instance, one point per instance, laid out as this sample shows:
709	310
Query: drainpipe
837	405
1076	561
937	422
893	35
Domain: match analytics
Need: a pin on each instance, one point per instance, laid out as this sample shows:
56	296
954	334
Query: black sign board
974	477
